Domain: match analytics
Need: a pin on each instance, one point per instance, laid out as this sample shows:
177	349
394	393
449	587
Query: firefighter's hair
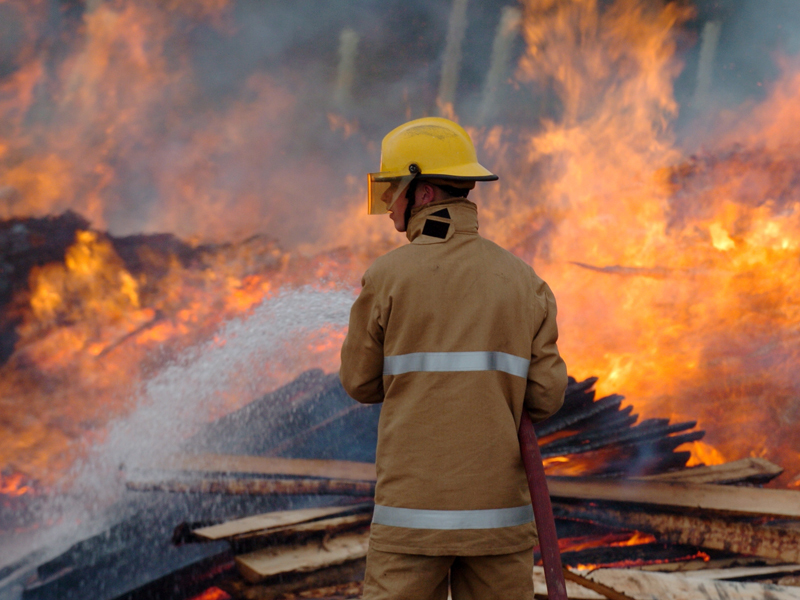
454	192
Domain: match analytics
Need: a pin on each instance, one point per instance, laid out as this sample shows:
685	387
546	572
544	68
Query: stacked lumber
636	523
283	552
278	553
601	437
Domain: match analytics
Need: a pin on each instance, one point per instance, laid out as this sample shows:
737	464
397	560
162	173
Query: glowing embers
584	544
622	538
212	593
13	485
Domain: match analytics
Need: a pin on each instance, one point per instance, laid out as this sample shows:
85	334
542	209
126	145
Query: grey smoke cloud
258	91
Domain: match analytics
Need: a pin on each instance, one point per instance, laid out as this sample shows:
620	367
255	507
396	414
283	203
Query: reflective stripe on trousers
456	361
452	519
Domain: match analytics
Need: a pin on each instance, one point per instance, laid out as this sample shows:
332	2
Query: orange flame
212	593
661	272
13	486
627	564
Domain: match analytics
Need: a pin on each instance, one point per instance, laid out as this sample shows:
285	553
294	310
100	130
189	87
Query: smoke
218	121
752	40
507	31
705	65
451	62
348	45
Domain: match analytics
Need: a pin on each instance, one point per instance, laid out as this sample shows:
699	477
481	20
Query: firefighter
456	337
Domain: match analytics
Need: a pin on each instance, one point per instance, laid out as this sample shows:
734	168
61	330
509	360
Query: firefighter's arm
362	352
547	375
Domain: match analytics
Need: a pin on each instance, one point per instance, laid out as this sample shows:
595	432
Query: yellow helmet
430	148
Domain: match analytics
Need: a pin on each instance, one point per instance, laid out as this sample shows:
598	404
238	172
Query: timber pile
275	502
710	541
635	524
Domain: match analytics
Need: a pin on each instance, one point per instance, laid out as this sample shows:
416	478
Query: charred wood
607	420
577	388
769	541
588	441
669	444
639	461
630	556
571	417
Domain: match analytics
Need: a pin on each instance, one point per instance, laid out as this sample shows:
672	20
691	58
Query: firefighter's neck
425	193
461	213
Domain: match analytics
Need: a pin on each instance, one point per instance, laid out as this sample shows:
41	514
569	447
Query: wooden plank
262	465
715	563
595	586
259	565
327	527
283	586
747	469
643	585
574	590
745	500
778	542
272	520
257	487
742	572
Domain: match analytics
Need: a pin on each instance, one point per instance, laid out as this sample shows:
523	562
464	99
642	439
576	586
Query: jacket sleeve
361	372
547	375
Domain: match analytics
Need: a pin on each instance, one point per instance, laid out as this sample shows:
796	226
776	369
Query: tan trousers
393	576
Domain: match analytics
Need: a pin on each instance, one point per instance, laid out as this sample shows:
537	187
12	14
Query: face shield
382	192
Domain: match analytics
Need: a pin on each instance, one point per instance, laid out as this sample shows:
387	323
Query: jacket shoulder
522	272
389	262
511	261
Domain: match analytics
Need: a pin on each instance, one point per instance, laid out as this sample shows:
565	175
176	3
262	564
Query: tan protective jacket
454	335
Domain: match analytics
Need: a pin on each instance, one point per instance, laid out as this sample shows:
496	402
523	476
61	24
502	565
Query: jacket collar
438	221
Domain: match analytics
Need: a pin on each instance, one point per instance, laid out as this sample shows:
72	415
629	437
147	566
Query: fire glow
676	277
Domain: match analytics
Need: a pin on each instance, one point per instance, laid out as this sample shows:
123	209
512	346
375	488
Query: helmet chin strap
411	192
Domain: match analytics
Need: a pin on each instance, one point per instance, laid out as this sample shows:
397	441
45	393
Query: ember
12	485
213	593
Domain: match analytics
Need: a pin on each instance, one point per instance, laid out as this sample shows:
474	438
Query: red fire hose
542	510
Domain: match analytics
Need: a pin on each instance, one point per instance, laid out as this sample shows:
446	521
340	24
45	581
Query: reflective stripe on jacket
455	336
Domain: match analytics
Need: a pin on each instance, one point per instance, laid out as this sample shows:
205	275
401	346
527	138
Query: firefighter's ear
426	193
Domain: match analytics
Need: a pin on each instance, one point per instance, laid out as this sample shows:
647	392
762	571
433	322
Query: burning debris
82	311
660	528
